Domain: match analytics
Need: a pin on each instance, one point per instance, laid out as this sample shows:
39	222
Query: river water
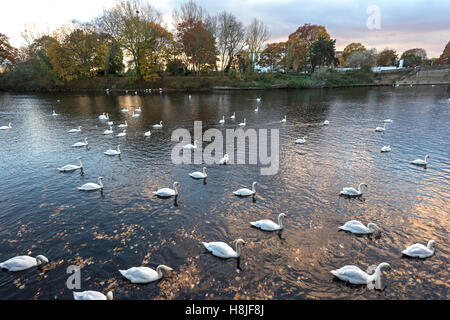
42	212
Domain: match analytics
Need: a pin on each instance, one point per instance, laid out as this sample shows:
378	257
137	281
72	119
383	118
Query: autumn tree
418	52
323	53
273	56
445	56
363	59
351	49
8	54
411	60
387	57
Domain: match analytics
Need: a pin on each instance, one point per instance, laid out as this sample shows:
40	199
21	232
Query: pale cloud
404	24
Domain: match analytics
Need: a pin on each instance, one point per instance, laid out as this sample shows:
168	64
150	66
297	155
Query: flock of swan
142	275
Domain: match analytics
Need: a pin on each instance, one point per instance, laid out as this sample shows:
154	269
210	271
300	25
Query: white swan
113	152
381	129
326	123
110	123
138	109
352	192
243	124
92	186
71	167
21	263
122	134
124	125
420	162
108	131
246	192
224	160
136	115
199	175
233	116
357	227
355	275
420	251
191	146
301	141
258	99
386	148
388	121
125	110
158	126
54	113
222	250
143	275
75	130
223	120
283	120
167	192
103	117
81	144
6	127
268	225
92	295
148	133
257	109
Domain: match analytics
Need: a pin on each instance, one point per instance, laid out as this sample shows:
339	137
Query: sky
403	24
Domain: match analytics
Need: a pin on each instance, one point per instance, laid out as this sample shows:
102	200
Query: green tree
323	53
351	49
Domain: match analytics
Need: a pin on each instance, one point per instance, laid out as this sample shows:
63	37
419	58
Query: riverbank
260	81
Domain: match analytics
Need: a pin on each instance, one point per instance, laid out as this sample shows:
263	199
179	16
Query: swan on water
355	275
9	126
258	99
191	146
138	109
224	160
158	126
109	131
143	275
199	175
223	120
420	162
75	130
243	124
257	109
92	186
54	113
223	250
388	121
103	117
357	227
92	295
386	148
112	152
269	225
246	192
233	116
352	192
110	123
81	144
71	167
284	120
301	141
124	125
125	110
167	192
122	134
418	250
326	123
21	263
136	115
381	129
148	133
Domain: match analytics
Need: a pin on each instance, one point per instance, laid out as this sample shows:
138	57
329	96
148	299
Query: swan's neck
204	171
81	163
100	182
280	221
253	188
238	249
359	188
118	148
175	188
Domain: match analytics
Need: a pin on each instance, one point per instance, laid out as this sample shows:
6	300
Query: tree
387	57
411	60
445	56
230	39
256	35
363	59
419	52
8	54
351	49
273	56
323	53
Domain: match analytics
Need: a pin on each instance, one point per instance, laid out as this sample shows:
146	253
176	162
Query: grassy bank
11	81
